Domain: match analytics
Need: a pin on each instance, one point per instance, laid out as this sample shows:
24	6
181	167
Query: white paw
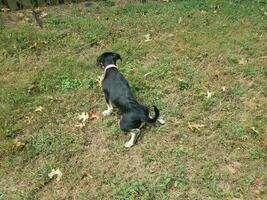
128	144
107	112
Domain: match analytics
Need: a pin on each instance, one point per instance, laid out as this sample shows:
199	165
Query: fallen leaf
57	173
39	109
161	121
83	117
242	61
180	20
254	130
195	126
217	73
93	115
5	9
209	94
86	174
147	74
19	145
29	119
223	88
231	169
147	36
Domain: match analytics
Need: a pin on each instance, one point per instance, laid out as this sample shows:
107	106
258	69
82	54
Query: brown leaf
242	61
209	94
223	88
19	145
86	174
57	173
195	126
231	169
93	115
84	117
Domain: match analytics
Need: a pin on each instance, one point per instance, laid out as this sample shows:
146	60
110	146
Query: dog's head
108	58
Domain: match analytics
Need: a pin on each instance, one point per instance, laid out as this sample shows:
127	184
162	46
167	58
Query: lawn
202	63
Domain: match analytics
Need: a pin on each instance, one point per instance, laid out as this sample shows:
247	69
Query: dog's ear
116	57
99	60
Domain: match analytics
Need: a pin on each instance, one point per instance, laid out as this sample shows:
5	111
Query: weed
233	59
255	154
41	175
133	190
183	85
48	144
237	131
249	70
208	103
238	90
166	181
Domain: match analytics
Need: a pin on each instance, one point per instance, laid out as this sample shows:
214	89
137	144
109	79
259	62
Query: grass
195	47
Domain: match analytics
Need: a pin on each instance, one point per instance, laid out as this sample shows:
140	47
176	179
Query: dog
118	92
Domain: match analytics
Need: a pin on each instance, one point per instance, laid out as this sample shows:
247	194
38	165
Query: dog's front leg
109	110
100	79
134	136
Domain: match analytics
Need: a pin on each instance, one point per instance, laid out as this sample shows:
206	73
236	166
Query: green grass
195	47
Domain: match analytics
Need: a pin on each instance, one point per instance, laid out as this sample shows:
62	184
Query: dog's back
117	90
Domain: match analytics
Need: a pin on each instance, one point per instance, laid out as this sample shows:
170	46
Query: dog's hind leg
134	136
109	110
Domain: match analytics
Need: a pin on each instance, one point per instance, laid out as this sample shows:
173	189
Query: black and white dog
117	91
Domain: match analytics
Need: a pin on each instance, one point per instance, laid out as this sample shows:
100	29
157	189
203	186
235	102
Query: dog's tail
154	119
